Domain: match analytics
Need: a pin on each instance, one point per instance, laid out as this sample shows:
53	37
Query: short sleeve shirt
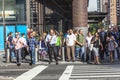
70	39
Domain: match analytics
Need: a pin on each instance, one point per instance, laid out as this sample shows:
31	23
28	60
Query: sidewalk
2	64
45	62
2	59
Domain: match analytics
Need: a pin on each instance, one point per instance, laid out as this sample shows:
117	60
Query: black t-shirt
96	43
10	40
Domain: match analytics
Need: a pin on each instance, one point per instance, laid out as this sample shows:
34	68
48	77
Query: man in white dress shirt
51	40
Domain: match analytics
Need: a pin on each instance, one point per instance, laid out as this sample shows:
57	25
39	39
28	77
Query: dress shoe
56	62
18	64
30	64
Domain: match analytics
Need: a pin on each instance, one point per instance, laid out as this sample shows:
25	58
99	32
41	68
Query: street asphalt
64	71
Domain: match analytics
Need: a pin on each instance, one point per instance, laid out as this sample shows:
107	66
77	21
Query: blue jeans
32	56
79	51
12	53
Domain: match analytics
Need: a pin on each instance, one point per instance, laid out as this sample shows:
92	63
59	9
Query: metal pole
6	50
3	5
63	54
84	54
90	56
36	55
7	55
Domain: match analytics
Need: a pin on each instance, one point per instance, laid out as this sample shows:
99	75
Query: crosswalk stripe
74	72
90	72
100	76
31	73
96	69
84	74
67	73
78	79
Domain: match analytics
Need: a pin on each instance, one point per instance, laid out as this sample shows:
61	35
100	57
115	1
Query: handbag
91	47
115	44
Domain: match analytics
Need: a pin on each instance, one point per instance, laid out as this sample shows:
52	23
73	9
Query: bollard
7	55
36	55
63	53
115	54
85	54
90	56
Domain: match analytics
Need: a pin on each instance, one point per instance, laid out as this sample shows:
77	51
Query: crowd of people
77	46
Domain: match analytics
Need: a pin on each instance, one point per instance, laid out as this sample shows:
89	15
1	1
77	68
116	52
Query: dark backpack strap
17	40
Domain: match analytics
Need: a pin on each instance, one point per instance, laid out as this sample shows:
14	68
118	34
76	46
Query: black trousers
24	52
52	50
102	52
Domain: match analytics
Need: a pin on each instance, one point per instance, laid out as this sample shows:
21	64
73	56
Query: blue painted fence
22	29
9	29
1	38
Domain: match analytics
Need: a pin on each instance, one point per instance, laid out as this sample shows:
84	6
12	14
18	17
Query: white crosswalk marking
90	72
66	74
31	73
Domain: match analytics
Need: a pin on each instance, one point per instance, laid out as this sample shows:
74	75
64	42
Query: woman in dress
111	47
42	50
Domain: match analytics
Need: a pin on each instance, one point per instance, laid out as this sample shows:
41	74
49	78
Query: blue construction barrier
22	29
10	28
1	38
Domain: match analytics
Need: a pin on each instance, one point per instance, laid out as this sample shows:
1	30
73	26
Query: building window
15	10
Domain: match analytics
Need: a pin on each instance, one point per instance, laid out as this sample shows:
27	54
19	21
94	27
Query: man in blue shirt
32	44
11	46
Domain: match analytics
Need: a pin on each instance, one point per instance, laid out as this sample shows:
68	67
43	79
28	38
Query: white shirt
88	40
53	40
70	40
23	40
17	42
40	43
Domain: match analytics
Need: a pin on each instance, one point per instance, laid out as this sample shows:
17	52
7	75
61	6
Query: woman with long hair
96	44
88	42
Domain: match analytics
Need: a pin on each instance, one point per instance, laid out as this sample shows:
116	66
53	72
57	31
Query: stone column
80	17
28	12
80	14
